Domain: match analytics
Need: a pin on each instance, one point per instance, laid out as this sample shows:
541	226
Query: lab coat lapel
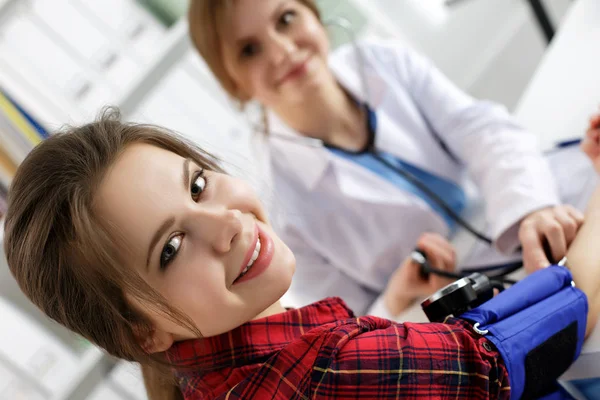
346	71
353	180
307	162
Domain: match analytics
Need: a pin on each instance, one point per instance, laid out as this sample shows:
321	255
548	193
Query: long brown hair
67	261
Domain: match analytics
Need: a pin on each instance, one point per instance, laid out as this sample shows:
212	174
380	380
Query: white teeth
253	258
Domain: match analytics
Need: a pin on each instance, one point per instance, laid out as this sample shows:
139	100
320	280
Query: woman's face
275	50
191	234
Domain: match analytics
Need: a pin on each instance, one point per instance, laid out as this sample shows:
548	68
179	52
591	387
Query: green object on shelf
167	11
344	9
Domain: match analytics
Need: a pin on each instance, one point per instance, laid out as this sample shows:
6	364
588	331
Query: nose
218	227
280	47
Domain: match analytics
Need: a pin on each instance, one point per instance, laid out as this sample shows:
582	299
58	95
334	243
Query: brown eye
198	185
170	250
249	50
287	18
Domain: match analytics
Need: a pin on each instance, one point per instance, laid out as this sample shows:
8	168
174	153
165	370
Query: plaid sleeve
378	359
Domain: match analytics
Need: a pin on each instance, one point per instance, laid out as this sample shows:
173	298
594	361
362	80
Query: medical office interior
62	60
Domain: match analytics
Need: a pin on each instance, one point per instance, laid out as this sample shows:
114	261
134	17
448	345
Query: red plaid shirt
323	352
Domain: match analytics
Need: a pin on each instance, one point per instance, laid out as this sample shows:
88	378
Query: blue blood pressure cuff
538	327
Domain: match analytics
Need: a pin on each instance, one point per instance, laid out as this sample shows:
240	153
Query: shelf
45	111
54	367
172	50
39	101
53	114
94	367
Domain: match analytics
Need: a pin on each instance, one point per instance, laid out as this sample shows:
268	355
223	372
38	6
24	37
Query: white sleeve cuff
507	237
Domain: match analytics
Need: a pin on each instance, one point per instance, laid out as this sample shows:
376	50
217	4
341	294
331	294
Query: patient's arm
584	254
591	142
583	258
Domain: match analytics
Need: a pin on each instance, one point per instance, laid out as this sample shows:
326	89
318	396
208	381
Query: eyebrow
186	173
171	221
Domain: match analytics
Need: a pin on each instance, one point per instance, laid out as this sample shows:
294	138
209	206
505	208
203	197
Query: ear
154	340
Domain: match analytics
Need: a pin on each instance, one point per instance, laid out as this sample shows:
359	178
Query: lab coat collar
344	65
307	158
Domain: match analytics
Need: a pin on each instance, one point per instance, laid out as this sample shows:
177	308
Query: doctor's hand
591	142
546	235
407	284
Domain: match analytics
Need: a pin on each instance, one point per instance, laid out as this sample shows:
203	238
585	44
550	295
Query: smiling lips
252	259
298	70
258	258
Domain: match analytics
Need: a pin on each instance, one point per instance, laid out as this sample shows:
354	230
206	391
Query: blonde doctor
350	221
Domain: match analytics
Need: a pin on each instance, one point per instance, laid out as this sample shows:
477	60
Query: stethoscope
496	271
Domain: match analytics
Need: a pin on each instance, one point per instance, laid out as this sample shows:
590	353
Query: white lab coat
349	228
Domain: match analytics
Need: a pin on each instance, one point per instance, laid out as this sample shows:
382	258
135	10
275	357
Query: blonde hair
66	260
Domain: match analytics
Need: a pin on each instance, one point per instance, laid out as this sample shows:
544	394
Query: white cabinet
65	59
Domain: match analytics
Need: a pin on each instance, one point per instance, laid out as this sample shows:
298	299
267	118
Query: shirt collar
306	158
251	342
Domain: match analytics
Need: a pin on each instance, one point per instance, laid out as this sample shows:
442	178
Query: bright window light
434	10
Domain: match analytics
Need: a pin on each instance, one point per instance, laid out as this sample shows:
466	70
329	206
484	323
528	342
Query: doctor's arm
568	227
503	159
408	284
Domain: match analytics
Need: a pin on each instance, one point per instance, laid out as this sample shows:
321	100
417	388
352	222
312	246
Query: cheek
288	260
316	34
241	75
191	285
252	80
257	78
197	292
241	195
